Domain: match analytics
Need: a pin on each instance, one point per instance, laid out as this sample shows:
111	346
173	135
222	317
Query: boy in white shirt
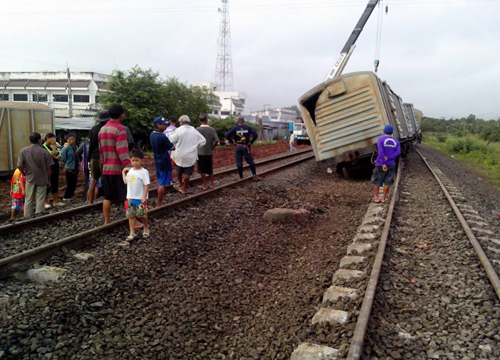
137	180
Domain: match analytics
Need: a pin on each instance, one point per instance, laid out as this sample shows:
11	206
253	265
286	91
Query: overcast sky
440	55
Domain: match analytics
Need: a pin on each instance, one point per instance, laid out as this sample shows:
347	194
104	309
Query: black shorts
114	188
381	177
205	164
185	170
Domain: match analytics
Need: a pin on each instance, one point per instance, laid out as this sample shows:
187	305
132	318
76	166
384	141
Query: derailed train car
345	116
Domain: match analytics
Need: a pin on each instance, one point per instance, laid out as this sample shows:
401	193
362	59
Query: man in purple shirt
388	150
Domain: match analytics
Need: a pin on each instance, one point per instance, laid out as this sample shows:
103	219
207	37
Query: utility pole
224	67
70	95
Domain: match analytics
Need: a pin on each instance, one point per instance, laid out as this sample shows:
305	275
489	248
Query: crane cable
378	41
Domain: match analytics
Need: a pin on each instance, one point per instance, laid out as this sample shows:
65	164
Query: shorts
205	164
136	208
114	188
185	170
95	168
163	177
381	177
17	204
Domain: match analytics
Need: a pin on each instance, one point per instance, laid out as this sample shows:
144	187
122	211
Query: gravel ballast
434	300
214	281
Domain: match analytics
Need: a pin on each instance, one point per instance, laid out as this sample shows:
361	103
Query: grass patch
485	159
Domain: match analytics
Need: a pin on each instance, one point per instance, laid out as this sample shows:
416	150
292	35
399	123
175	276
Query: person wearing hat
161	146
388	150
243	136
187	140
95	161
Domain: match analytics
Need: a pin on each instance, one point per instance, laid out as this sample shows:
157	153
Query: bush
465	146
441	138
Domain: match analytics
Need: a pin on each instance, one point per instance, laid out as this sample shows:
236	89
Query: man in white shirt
187	140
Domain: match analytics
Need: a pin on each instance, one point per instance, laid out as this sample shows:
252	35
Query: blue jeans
243	152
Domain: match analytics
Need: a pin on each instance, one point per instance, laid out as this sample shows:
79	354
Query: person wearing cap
95	162
187	140
240	135
205	161
388	150
161	146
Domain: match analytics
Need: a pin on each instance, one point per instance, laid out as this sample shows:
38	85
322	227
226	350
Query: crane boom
349	46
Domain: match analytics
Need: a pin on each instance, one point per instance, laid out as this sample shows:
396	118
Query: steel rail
490	271
358	339
42	220
22	260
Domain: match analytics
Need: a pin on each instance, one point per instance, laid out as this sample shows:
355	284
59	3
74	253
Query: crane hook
376	63
386	9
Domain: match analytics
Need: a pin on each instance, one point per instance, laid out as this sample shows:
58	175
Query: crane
349	46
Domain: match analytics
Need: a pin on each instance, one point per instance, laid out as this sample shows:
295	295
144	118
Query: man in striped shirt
114	155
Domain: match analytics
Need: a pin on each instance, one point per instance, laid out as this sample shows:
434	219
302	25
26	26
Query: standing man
114	155
205	161
70	161
172	121
292	140
35	162
95	161
388	150
240	135
161	146
187	141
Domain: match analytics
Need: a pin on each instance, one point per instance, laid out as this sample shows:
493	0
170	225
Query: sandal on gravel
130	238
375	201
145	234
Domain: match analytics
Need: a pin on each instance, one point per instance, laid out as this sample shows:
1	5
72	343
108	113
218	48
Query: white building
51	88
231	102
277	115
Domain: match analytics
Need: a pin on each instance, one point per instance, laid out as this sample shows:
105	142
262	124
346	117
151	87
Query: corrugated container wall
17	121
345	116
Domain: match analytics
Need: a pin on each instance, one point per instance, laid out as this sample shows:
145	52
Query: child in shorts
18	192
137	181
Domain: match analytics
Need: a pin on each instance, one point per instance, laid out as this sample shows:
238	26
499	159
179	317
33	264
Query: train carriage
345	116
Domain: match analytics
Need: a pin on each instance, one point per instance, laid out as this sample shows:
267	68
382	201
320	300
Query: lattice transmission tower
224	67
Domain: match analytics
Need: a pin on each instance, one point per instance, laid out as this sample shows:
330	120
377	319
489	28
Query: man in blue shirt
240	136
161	145
388	150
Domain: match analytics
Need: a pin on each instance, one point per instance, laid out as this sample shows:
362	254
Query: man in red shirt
114	155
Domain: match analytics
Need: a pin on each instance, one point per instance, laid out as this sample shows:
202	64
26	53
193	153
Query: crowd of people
115	171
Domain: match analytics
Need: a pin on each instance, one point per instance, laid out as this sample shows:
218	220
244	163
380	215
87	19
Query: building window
216	112
4	97
61	98
39	97
224	113
20	97
81	98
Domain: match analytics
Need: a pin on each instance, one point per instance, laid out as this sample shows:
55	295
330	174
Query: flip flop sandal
145	234
376	202
129	238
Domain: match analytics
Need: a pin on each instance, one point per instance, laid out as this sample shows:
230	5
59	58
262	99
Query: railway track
346	313
22	260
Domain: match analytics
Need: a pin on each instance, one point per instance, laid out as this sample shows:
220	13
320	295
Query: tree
144	95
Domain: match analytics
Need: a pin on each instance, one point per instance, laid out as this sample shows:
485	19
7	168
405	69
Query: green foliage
473	150
463	127
441	138
144	95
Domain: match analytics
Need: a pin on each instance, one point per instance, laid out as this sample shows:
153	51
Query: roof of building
75	123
